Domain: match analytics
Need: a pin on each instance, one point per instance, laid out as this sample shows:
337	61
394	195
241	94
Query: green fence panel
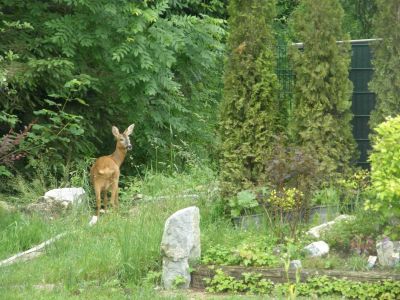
363	100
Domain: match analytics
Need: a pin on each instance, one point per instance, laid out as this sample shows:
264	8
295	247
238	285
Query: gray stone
180	245
396	246
318	230
295	264
317	249
388	255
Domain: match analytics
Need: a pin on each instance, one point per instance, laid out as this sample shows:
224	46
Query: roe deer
104	173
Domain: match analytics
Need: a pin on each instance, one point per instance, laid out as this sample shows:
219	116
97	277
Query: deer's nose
129	147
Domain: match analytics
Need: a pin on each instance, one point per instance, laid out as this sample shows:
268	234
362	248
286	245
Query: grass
19	232
111	259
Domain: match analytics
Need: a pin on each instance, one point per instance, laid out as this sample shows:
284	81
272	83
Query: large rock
55	202
318	230
317	249
180	245
388	252
66	196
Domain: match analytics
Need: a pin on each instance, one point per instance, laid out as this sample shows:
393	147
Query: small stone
371	261
295	264
317	249
138	197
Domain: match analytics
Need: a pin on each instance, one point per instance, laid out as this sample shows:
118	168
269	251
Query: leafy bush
244	202
10	150
354	189
291	174
154	62
385	173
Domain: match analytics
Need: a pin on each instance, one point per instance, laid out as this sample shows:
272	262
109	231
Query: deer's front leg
114	192
97	191
105	200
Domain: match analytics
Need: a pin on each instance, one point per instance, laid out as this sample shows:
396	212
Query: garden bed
279	275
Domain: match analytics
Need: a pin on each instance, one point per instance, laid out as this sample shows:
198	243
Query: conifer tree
323	90
250	112
386	80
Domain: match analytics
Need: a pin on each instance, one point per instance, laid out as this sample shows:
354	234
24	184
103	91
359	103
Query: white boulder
66	196
180	245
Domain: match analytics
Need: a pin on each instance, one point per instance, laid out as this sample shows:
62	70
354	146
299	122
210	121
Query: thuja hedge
322	115
386	79
250	111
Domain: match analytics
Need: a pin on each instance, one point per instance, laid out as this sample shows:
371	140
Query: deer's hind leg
105	200
114	191
97	190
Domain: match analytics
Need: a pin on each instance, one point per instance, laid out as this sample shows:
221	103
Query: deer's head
123	141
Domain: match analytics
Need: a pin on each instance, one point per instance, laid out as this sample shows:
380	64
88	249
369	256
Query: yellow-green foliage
322	113
385	169
386	80
250	111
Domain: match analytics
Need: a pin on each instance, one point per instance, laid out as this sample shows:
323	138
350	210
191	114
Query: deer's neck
118	156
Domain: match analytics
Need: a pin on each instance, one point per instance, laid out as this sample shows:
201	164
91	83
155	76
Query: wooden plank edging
278	275
31	253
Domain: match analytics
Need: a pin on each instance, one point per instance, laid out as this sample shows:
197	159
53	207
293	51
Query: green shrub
385	173
291	173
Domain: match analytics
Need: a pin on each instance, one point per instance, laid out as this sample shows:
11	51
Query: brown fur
105	172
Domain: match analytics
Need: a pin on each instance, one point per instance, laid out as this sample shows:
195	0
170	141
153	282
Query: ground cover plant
252	283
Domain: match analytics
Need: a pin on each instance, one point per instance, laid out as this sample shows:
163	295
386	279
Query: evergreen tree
386	80
250	112
322	113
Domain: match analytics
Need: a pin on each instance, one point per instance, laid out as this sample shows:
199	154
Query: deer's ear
115	131
129	130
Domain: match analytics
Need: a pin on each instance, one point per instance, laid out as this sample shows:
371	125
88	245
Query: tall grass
119	250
